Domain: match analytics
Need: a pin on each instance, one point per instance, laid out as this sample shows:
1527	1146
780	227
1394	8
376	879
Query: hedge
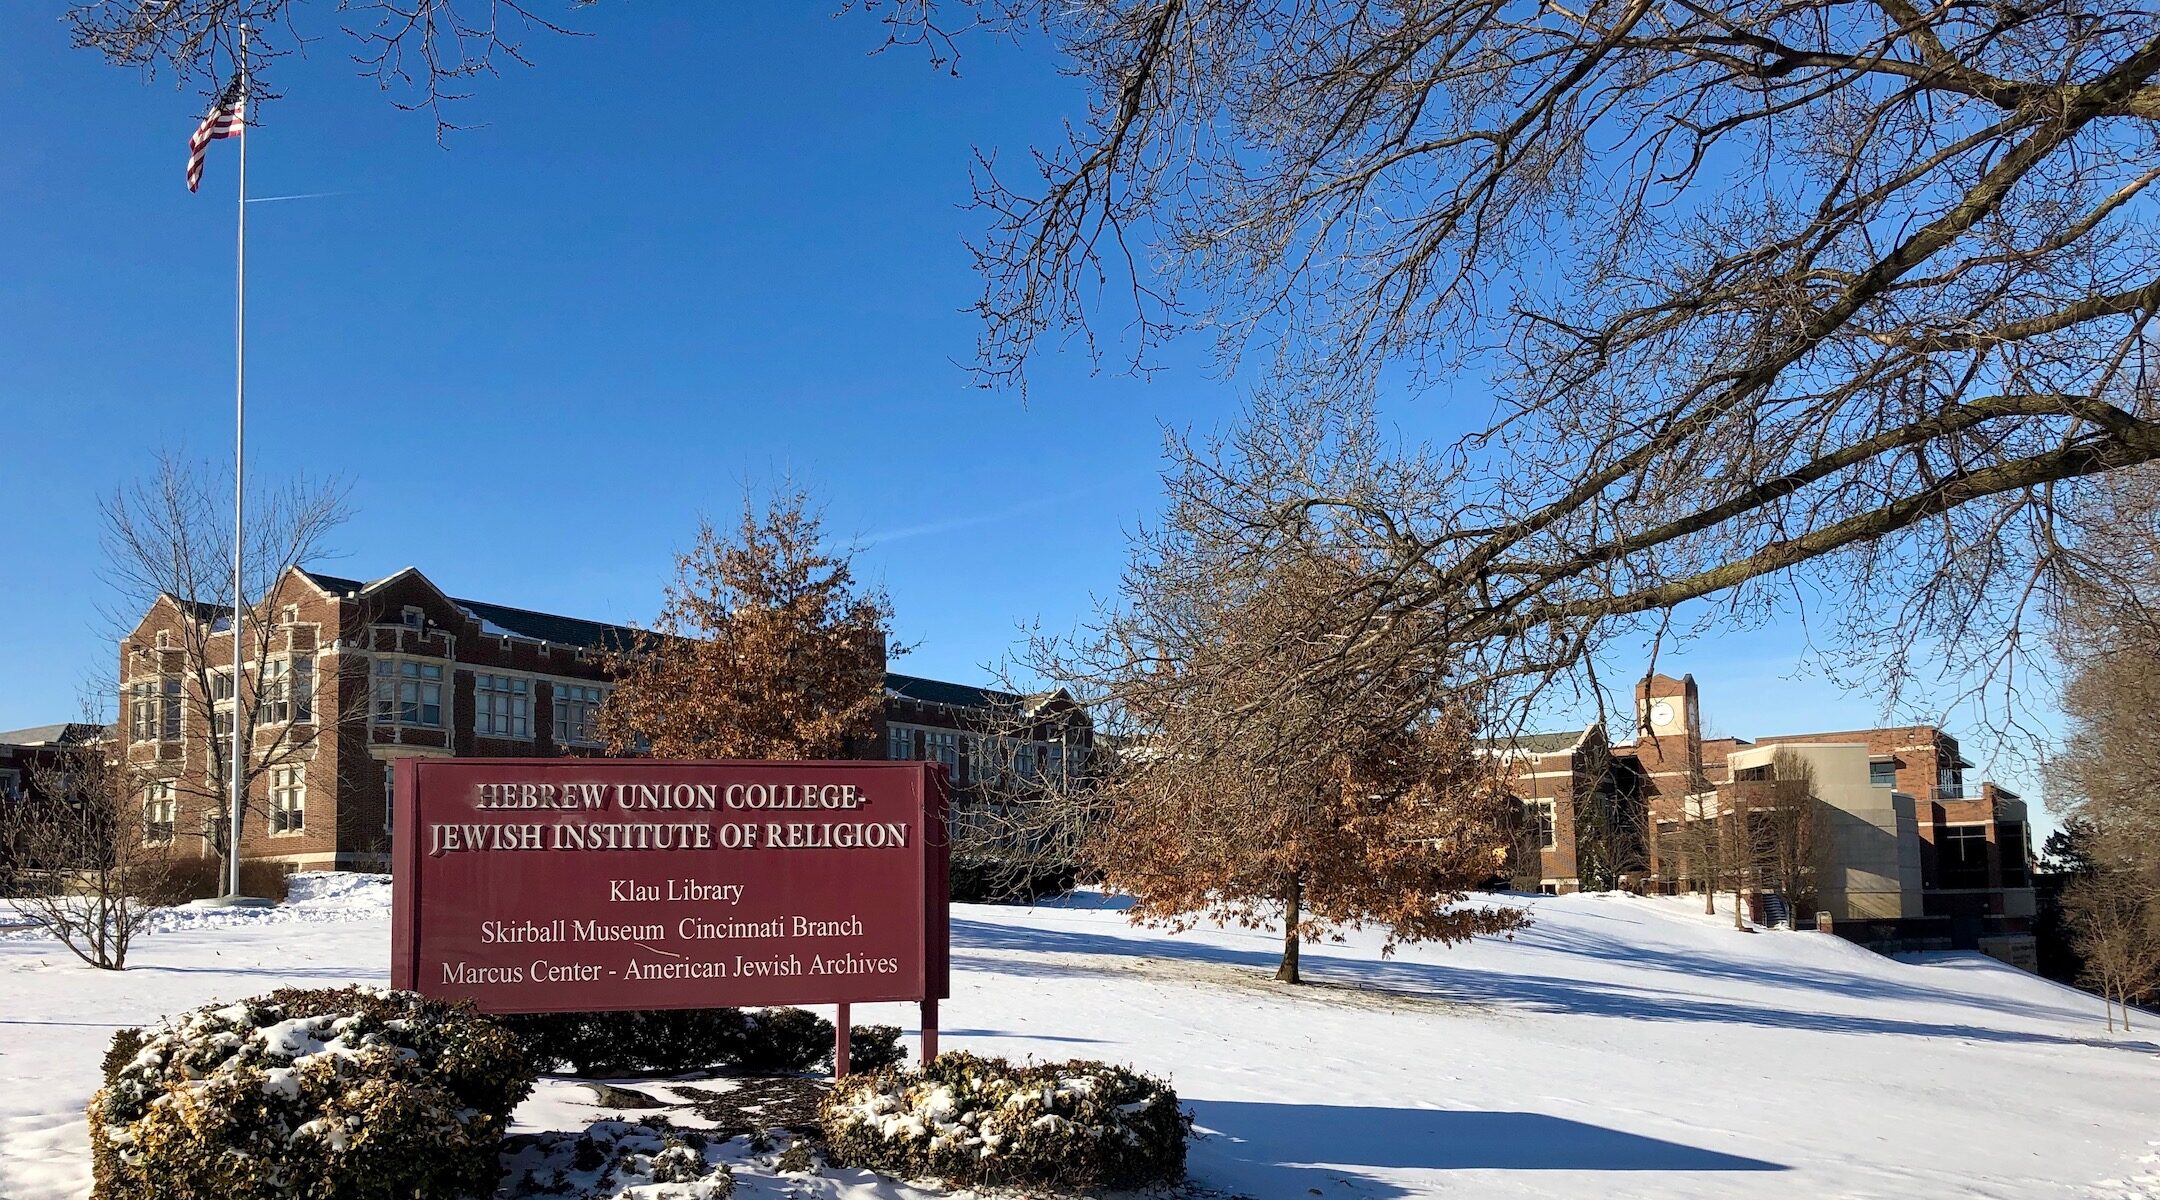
330	1094
985	1122
772	1041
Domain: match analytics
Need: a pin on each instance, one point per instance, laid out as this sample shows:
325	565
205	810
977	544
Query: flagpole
236	768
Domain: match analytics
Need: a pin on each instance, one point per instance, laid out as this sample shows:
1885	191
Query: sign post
582	884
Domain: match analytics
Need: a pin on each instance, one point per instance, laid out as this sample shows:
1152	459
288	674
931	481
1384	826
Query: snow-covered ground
1621	1047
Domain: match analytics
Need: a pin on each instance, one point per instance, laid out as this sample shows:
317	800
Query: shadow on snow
1286	1149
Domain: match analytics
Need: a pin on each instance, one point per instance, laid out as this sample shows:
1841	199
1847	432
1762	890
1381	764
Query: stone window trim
287	815
575	705
1541	817
155	708
161	812
389	707
502	705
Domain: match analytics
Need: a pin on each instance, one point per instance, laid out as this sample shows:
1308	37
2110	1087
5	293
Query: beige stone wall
1871	865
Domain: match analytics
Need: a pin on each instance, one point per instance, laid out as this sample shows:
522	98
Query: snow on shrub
331	1094
618	1160
972	1120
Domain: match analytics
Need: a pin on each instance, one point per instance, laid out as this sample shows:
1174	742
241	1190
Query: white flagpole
236	768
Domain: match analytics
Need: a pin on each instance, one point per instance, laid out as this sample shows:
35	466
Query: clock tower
1668	741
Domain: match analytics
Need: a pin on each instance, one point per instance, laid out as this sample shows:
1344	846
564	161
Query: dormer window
415	618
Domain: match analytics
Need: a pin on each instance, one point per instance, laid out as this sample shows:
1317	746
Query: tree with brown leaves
1242	788
765	648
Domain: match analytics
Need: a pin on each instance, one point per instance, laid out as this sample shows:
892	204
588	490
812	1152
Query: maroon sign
569	884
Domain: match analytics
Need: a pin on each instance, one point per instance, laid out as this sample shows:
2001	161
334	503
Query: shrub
977	1121
660	1041
761	1041
125	1045
330	1094
618	1160
874	1048
778	1040
186	879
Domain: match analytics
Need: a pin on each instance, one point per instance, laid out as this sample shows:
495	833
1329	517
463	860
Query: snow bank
1620	1048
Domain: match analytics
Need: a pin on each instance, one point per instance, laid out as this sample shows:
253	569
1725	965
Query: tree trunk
1288	971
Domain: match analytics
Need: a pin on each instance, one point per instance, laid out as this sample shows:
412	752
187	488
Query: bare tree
425	53
168	549
2108	637
1779	298
1789	834
2114	919
101	872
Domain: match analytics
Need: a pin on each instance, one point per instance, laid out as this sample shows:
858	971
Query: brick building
360	675
29	758
1911	855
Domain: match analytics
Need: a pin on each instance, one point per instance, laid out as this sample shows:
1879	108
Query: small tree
2114	918
765	648
1787	832
1248	784
103	872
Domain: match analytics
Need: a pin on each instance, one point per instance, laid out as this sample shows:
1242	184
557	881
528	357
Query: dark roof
67	733
937	691
575	631
335	584
547	627
1536	743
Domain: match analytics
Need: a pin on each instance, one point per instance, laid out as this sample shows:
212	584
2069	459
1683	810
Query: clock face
1661	715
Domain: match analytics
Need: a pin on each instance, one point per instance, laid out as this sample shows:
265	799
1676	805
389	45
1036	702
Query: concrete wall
1871	856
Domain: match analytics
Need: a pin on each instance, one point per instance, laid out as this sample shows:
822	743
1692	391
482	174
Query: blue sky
709	246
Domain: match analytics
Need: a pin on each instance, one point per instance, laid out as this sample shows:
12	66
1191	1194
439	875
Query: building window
288	799
288	692
413	618
154	710
577	713
943	746
389	794
1882	774
1963	851
2010	841
899	742
160	810
11	785
408	693
502	706
1538	819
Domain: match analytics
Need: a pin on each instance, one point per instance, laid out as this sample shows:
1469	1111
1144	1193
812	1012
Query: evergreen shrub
985	1122
762	1041
328	1094
874	1048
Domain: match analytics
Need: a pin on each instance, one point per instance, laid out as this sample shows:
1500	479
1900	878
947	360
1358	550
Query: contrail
991	518
294	196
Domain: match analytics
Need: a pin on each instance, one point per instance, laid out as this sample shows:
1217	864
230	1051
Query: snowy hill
1621	1047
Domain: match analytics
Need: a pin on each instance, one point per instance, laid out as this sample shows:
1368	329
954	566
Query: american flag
226	118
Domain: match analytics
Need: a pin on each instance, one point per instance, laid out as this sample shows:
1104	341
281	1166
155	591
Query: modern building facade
360	676
1906	855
